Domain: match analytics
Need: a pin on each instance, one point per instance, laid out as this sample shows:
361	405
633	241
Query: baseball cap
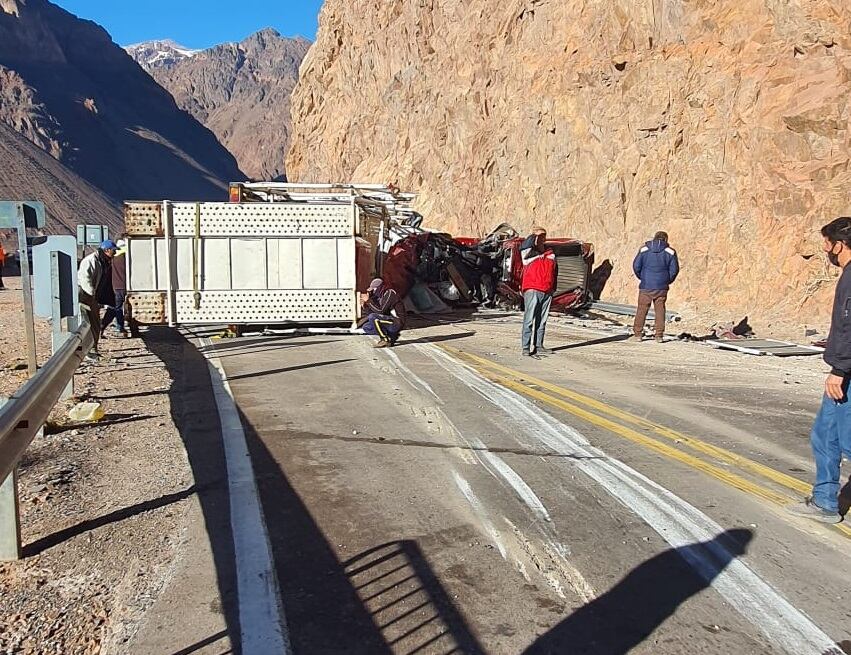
376	284
108	245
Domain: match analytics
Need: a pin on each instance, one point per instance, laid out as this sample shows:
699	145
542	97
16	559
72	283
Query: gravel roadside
103	506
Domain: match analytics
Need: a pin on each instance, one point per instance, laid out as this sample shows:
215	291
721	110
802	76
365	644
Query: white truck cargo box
246	263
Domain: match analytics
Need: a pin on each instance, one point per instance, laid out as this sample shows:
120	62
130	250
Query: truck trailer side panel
213	263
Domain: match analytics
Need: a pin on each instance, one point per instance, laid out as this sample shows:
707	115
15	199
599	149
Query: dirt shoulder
103	506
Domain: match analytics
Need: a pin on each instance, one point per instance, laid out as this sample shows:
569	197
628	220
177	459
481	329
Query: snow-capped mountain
158	54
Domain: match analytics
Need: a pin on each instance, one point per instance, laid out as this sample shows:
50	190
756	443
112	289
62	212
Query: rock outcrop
71	91
725	123
241	91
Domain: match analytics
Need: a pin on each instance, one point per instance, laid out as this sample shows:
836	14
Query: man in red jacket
538	285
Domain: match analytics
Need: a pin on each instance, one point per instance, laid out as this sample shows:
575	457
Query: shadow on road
194	412
405	598
388	598
288	369
434	339
384	600
594	342
356	607
630	612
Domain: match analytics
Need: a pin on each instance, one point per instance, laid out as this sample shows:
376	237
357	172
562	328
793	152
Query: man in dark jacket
831	434
384	314
118	278
538	284
657	266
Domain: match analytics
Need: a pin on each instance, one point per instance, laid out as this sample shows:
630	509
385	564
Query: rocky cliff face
241	91
71	91
725	123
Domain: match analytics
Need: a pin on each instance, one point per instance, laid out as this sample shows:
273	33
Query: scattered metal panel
630	310
765	347
143	219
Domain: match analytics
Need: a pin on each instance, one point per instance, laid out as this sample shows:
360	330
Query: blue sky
196	23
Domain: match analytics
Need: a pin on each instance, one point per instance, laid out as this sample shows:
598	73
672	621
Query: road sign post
59	336
55	289
20	216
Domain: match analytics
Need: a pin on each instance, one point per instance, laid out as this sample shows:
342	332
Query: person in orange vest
540	272
2	264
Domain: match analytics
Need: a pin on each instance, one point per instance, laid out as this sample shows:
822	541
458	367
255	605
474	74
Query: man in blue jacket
830	437
657	266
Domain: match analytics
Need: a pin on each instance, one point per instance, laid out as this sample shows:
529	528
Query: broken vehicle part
630	310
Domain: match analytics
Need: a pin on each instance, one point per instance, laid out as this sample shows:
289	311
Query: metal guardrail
23	415
630	310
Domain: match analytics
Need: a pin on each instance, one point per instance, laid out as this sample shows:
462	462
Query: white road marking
263	629
476	504
494	464
676	521
409	376
499	469
518	484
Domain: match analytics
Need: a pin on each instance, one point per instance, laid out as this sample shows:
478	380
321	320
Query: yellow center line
695	444
521	386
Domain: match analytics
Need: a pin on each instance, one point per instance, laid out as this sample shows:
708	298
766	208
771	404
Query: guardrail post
10	518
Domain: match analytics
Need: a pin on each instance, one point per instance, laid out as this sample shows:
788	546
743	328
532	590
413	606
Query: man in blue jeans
538	284
831	433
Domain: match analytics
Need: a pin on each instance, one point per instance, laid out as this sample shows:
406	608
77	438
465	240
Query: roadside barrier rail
26	411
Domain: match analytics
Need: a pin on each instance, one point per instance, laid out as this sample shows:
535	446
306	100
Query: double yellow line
600	414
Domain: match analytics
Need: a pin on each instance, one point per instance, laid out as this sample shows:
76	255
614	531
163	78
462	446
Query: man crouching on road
831	433
384	313
538	284
89	279
657	266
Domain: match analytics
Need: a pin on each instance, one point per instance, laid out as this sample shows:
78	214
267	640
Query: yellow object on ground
87	413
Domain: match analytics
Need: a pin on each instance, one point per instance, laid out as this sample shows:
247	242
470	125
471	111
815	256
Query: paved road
449	496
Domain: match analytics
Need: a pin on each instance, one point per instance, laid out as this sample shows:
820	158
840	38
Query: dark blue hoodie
656	265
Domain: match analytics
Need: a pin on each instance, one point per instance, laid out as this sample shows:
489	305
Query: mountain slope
725	123
241	91
29	173
67	87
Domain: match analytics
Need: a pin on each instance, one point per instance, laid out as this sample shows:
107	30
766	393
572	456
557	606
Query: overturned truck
280	253
487	271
